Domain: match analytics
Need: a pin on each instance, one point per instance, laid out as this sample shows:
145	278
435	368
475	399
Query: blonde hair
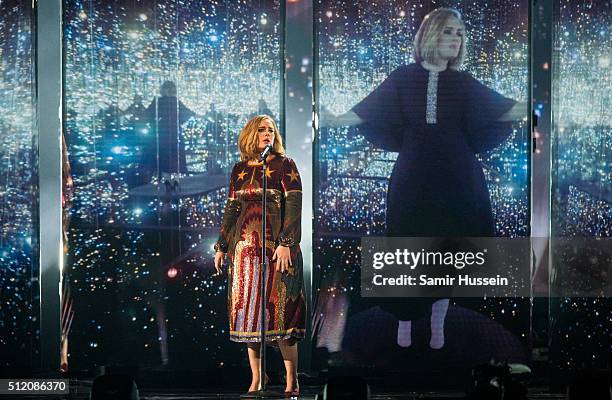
429	33
248	140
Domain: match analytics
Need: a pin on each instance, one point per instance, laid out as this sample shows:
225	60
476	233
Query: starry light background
130	271
19	269
581	174
228	56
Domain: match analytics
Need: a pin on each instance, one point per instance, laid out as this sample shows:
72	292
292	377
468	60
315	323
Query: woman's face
265	134
450	40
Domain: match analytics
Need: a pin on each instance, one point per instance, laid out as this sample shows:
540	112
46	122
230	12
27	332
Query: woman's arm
489	115
291	228
228	224
233	207
380	116
329	120
291	231
230	216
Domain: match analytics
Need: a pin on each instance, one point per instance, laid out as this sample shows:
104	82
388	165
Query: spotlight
172	272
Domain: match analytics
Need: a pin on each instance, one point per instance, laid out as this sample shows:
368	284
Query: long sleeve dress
437	122
240	238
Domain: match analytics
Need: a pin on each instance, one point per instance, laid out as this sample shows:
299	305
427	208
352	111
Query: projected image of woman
240	238
437	118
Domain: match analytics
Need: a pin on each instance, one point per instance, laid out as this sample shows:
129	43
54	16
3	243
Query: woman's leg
438	315
253	350
404	333
290	358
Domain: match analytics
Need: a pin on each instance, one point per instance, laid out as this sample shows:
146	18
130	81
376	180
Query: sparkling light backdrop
142	265
19	299
582	171
224	57
359	44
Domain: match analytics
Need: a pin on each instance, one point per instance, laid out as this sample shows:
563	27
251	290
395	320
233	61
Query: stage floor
308	393
80	391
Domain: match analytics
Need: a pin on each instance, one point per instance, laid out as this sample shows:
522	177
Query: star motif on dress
293	175
269	172
241	175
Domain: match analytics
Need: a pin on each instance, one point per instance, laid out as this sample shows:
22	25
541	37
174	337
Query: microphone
265	153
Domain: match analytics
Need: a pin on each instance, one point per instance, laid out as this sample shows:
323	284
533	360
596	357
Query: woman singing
241	238
437	118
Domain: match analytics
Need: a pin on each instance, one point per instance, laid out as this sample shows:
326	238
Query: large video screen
156	93
581	199
19	269
423	132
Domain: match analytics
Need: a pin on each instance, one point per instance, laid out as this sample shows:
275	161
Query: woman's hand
282	255
327	119
219	257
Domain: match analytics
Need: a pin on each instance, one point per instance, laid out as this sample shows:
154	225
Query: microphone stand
262	392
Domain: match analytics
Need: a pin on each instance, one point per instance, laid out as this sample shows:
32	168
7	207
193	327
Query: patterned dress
240	238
